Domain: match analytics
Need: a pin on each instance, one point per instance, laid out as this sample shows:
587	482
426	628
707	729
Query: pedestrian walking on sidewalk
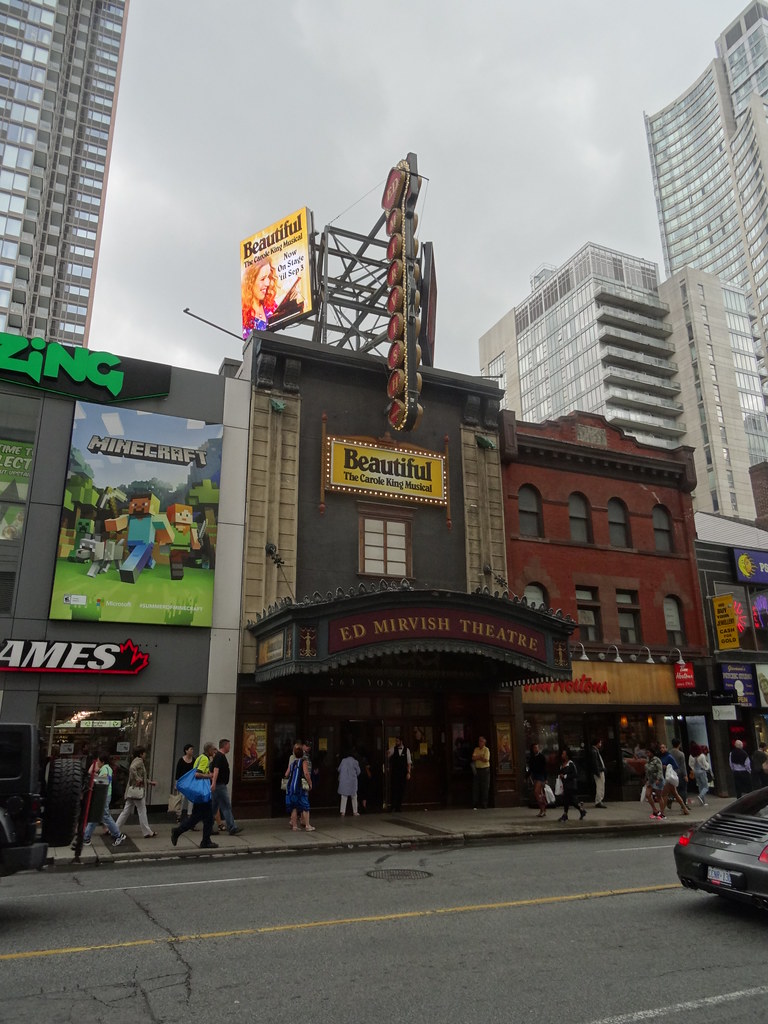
669	791
136	793
654	783
598	772
102	776
182	767
682	770
741	767
201	809
698	761
760	767
298	789
570	780
220	800
537	770
349	771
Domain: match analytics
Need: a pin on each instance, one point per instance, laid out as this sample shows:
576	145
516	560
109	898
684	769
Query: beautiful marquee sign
356	465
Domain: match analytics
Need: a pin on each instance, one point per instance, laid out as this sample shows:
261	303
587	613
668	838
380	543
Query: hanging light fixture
649	660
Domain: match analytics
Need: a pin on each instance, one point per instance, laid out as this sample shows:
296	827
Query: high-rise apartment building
672	364
592	335
721	388
59	72
709	159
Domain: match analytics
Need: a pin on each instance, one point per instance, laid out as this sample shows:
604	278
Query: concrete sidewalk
272	836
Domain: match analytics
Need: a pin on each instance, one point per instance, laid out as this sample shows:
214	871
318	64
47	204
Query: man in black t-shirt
220	791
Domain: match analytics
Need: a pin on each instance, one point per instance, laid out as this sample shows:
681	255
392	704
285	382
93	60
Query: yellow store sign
607	684
399	472
725	623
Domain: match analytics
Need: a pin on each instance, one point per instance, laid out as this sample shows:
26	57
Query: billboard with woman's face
275	274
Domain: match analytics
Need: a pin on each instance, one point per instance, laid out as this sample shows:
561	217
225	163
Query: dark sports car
728	853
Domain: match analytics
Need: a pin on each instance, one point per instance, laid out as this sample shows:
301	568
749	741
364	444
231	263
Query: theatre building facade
374	591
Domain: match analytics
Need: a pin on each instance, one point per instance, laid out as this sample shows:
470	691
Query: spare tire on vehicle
64	791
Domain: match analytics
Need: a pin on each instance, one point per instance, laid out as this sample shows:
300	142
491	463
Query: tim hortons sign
123	659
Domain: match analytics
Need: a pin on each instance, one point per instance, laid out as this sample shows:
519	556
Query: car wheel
62	802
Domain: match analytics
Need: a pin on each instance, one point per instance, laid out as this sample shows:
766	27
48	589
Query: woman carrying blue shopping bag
298	786
196	786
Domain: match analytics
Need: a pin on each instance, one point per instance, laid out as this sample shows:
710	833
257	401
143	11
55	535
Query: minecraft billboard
137	539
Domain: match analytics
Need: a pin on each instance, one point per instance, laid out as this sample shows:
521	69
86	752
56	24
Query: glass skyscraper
592	335
59	72
709	157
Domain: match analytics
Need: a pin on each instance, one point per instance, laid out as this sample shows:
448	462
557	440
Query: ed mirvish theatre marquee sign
363	465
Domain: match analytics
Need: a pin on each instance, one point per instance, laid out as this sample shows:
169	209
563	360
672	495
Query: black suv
28	821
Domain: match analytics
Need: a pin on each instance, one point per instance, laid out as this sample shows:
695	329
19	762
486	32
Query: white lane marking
127	888
693	1004
634	849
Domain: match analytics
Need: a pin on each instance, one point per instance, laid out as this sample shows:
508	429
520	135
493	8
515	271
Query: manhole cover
399	874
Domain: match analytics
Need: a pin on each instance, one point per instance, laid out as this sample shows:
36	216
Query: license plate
718	876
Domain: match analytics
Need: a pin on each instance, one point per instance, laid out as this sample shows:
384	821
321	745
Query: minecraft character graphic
106	553
101	552
183	536
85	540
142	521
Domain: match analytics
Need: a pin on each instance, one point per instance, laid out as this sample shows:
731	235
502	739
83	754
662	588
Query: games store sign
125	659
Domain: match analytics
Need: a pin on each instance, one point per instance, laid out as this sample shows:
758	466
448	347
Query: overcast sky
526	116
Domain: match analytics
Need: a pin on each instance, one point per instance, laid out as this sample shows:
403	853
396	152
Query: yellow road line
334	922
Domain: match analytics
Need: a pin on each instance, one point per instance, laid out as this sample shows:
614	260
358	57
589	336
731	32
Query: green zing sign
79	372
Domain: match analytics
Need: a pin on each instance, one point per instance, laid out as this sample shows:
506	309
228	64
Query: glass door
364	739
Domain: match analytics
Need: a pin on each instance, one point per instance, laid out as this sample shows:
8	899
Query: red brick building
601	527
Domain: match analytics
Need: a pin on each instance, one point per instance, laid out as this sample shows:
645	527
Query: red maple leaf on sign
139	659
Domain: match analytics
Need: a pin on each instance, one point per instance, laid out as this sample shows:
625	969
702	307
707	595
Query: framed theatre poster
254	763
504	746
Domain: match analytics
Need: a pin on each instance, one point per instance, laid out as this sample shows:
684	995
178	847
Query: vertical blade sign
403	303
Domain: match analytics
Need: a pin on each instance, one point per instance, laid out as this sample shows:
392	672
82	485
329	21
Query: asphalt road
584	931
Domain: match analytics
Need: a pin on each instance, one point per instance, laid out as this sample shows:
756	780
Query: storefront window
759	601
18	427
542	728
639	734
77	731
